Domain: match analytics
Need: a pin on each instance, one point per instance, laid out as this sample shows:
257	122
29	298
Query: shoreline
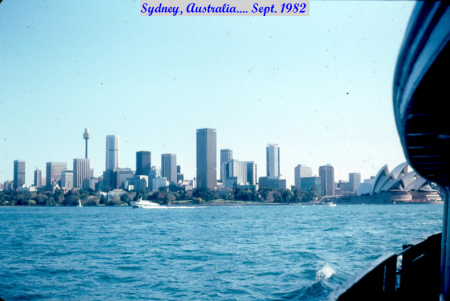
230	204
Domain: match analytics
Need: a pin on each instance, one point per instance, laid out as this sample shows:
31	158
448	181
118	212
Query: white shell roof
382	173
399	170
398	179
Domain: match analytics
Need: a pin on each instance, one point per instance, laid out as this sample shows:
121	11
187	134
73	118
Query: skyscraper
206	158
53	172
37	177
169	167
236	173
81	171
143	163
19	174
326	174
225	156
252	173
112	152
67	178
354	181
301	171
273	160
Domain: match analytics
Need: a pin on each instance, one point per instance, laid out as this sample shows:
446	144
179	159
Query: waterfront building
354	181
28	188
37	177
400	185
273	160
19	174
53	172
187	185
143	163
154	172
90	183
236	173
112	152
206	158
81	171
252	173
309	183
169	167
67	180
107	182
225	156
180	176
275	182
326	174
140	183
8	185
120	176
343	187
301	171
159	182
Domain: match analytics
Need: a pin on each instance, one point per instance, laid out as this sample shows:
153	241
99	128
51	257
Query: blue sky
319	86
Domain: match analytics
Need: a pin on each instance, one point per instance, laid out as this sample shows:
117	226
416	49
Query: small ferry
140	204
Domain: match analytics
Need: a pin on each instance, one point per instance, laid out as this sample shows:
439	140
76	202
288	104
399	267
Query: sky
319	86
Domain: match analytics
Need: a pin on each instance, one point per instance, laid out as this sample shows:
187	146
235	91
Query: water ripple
218	253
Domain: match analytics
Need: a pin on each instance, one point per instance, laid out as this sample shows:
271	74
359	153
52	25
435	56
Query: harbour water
203	253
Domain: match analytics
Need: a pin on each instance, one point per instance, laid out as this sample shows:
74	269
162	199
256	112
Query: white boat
144	204
330	204
79	204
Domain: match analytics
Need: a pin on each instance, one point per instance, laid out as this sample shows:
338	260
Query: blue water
208	253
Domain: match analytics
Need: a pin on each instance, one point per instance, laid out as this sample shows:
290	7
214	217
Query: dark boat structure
421	90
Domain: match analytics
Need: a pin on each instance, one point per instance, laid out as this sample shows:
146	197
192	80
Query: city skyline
206	143
324	98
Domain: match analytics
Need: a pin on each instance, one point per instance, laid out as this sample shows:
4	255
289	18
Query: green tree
203	192
125	198
103	200
58	196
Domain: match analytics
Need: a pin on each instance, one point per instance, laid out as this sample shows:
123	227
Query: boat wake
171	207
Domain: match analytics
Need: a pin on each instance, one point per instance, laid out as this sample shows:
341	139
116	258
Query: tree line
89	197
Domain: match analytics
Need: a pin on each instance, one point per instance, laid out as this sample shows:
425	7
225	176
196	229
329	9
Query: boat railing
412	274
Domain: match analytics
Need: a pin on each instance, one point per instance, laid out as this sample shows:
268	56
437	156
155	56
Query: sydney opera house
401	185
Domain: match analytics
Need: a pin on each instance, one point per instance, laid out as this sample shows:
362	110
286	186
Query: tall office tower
154	173
19	174
238	169
326	174
107	183
112	152
37	177
53	172
206	158
67	179
225	156
81	171
86	136
169	167
354	181
180	176
143	163
273	160
252	173
301	171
